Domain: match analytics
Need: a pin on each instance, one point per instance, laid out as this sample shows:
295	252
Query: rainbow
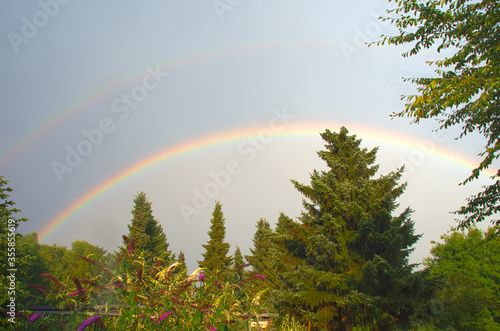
371	134
101	93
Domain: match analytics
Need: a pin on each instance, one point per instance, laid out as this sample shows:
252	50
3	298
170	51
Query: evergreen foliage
181	268
342	265
261	247
238	263
215	258
148	235
347	257
267	256
181	259
465	90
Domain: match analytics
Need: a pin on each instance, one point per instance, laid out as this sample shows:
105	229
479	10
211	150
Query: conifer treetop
146	231
215	258
347	250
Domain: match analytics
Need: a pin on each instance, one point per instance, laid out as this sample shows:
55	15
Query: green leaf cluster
10	256
466	88
469	261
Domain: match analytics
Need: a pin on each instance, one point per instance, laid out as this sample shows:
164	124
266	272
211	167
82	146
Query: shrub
153	297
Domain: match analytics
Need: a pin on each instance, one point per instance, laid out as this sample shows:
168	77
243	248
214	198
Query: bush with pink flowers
138	296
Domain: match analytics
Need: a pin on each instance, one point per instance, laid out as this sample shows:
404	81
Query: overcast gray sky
89	89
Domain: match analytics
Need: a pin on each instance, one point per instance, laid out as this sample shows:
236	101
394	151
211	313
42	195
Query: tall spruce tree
147	233
347	255
215	258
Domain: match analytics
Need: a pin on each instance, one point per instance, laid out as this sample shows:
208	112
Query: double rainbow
376	135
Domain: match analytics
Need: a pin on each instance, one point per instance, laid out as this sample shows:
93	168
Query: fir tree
238	263
268	258
347	256
215	258
182	267
261	246
147	233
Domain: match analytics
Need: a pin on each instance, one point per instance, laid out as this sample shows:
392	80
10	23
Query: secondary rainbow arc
65	114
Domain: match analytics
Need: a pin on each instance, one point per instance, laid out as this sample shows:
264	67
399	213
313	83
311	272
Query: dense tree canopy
348	255
58	261
29	247
56	257
466	88
470	263
78	265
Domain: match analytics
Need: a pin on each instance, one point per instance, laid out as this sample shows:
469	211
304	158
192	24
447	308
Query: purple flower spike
212	328
202	277
162	317
76	292
256	276
34	317
119	285
88	322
